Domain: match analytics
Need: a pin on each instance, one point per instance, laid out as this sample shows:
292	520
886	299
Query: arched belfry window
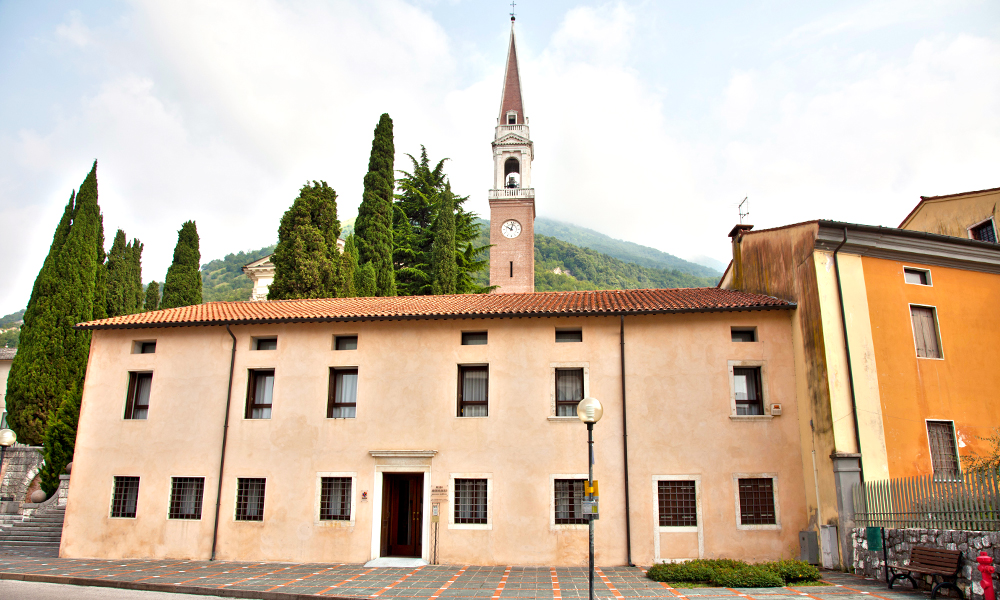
512	173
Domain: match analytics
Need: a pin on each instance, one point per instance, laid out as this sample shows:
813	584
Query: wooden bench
939	563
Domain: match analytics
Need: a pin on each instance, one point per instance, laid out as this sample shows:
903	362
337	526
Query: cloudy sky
651	120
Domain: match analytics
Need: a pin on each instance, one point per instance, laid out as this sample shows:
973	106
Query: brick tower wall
520	250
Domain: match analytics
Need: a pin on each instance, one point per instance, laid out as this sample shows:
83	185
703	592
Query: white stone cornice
403	453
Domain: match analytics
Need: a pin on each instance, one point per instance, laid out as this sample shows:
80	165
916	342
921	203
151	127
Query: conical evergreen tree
52	357
348	267
443	250
138	296
152	296
373	226
119	265
182	286
60	438
306	260
364	280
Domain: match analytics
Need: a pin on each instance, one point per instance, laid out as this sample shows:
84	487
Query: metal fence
971	503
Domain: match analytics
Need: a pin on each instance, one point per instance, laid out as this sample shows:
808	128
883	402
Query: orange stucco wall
960	387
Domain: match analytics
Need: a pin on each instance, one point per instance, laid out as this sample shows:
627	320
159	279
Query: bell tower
512	199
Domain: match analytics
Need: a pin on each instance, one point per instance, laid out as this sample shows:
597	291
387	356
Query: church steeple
511	104
512	199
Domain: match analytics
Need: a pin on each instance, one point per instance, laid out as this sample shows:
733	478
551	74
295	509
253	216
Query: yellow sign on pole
591	488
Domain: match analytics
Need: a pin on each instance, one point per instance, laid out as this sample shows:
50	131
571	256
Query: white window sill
564	420
334	523
759	527
677	529
751	417
570	527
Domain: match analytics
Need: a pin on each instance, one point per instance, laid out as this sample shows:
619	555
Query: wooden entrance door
402	514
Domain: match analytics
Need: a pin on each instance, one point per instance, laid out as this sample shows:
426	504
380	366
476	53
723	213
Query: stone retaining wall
899	542
20	466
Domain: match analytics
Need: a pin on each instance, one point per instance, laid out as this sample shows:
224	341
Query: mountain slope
223	278
627	251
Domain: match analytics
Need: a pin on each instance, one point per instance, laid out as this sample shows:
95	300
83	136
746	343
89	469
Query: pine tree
52	357
306	260
348	267
417	210
152	296
443	250
373	226
182	286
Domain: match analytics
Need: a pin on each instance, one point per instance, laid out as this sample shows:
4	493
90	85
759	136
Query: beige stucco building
446	406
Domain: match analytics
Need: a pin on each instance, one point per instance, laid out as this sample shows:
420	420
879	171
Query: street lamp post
590	411
7	438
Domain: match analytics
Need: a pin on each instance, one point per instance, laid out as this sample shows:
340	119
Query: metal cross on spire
512	10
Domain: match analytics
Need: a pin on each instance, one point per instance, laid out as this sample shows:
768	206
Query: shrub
693	571
748	576
793	570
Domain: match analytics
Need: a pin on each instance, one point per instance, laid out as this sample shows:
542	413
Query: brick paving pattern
432	582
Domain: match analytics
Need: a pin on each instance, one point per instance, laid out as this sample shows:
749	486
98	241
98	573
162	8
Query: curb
162	587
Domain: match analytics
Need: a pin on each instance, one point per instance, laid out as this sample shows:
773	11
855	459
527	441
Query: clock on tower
512	199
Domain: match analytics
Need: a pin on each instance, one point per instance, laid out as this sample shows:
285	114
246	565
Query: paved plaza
283	581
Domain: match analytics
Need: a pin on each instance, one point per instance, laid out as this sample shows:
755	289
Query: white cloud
74	31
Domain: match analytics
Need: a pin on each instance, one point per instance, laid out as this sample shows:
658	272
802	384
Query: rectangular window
757	501
138	395
744	334
749	399
568	496
186	494
564	336
3	420
473	338
925	332
259	393
144	347
984	232
569	391
346	342
470	501
944	453
266	343
335	499
250	499
473	391
917	276
677	503
126	495
343	401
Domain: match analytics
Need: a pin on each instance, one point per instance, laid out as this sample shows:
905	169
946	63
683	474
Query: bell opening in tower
512	173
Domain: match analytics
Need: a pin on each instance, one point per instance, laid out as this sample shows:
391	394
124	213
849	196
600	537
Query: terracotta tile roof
7	353
459	306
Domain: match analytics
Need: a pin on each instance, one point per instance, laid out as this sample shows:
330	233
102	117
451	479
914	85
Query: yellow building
893	363
972	215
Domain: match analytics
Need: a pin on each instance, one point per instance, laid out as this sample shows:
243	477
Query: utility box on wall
829	543
809	547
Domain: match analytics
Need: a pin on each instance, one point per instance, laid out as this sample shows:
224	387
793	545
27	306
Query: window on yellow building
944	450
925	331
984	232
917	276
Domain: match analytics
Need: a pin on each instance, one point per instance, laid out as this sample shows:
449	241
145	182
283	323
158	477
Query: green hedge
726	572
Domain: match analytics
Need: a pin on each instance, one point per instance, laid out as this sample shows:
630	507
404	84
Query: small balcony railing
512	193
519	129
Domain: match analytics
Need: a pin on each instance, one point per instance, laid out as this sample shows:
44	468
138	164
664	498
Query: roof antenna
511	11
743	214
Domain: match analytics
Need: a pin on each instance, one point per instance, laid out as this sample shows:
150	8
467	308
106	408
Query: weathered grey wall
899	542
20	466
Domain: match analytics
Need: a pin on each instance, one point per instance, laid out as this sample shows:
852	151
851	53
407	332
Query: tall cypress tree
118	267
182	287
306	260
443	250
52	357
135	276
152	296
348	268
373	226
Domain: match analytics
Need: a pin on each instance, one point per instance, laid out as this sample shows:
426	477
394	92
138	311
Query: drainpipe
847	347
628	518
225	435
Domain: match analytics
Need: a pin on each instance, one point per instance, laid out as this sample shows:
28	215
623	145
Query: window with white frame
756	501
335	498
915	276
250	498
984	232
471	501
260	392
139	385
748	389
186	494
944	450
125	497
568	495
677	503
473	390
343	399
926	337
